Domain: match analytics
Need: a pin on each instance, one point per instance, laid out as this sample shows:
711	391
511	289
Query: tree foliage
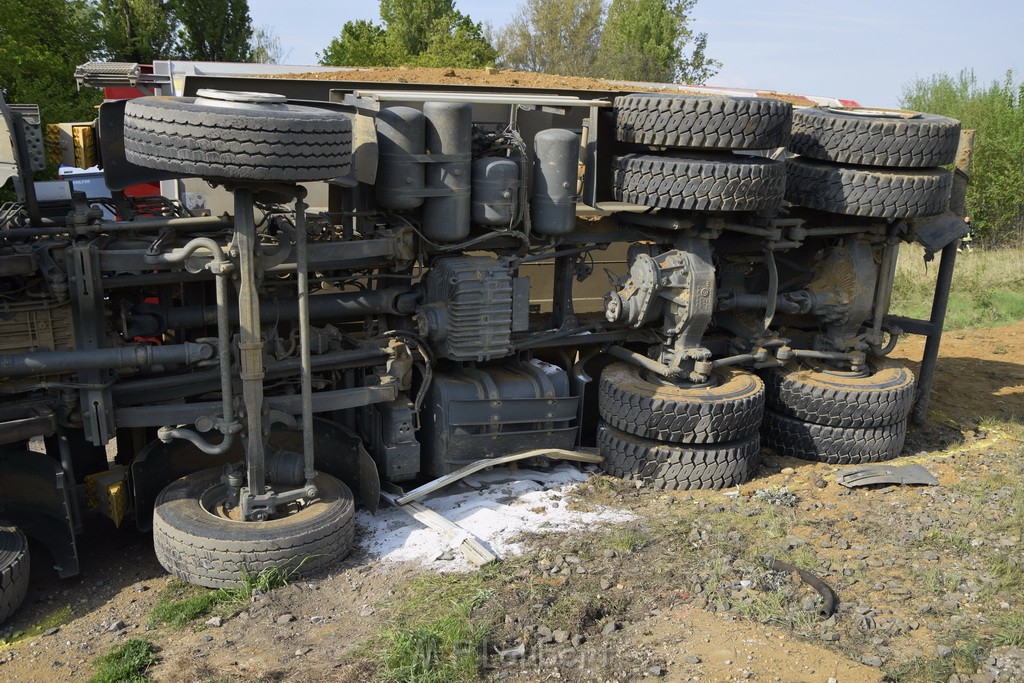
361	43
41	43
995	196
139	31
265	47
413	32
215	30
552	36
646	40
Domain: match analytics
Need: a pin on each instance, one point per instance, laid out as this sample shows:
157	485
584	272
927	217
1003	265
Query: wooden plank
455	535
462	472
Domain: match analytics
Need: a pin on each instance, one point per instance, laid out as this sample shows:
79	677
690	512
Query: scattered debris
780	496
868	475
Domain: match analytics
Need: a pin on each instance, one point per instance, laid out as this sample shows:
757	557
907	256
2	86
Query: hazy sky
865	50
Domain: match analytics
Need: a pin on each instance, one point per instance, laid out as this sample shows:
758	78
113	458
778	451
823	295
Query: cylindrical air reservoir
400	136
553	204
495	191
449	136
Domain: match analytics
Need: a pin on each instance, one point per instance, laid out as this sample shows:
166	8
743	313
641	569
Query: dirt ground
681	597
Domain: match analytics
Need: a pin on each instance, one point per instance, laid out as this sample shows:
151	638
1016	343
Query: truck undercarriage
399	282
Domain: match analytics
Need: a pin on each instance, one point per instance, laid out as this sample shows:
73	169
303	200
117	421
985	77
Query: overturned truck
344	286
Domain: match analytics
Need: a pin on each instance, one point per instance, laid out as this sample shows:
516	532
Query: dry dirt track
873	547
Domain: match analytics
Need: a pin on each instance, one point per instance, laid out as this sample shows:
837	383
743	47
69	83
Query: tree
552	36
995	195
215	30
462	44
139	31
361	43
414	32
41	43
265	47
644	40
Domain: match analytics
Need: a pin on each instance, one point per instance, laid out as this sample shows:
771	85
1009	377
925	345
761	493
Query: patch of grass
1012	427
57	617
937	581
943	539
181	603
1008	629
988	288
772	607
1008	572
127	663
964	659
625	540
435	638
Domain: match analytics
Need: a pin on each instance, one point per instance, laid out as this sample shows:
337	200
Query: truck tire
728	410
882	397
834	445
14	570
868	192
845	137
259	142
677	467
204	548
702	121
700	182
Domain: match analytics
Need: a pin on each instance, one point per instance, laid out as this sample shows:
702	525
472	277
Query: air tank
449	137
400	177
553	203
495	191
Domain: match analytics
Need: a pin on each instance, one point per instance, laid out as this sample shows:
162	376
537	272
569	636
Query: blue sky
865	50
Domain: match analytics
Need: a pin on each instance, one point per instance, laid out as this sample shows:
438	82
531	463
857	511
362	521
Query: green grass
1008	629
180	603
434	637
988	287
127	663
964	658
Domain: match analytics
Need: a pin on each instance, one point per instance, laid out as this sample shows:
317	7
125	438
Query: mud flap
337	451
935	232
34	495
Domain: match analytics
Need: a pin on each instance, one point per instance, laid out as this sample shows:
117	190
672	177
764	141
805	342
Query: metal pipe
58	362
250	342
773	288
220	266
178	224
886	276
734	360
305	371
643	361
957	205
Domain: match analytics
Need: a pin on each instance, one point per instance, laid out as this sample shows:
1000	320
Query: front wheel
197	540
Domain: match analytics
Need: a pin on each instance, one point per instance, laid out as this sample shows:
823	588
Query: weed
181	603
779	495
127	663
1008	572
626	540
937	581
964	658
435	637
1008	629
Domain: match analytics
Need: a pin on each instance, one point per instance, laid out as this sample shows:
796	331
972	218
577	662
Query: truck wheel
881	397
702	121
849	137
260	140
699	182
728	409
872	193
14	570
834	445
196	539
675	467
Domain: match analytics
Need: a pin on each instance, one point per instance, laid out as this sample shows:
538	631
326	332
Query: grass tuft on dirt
435	637
181	603
127	663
